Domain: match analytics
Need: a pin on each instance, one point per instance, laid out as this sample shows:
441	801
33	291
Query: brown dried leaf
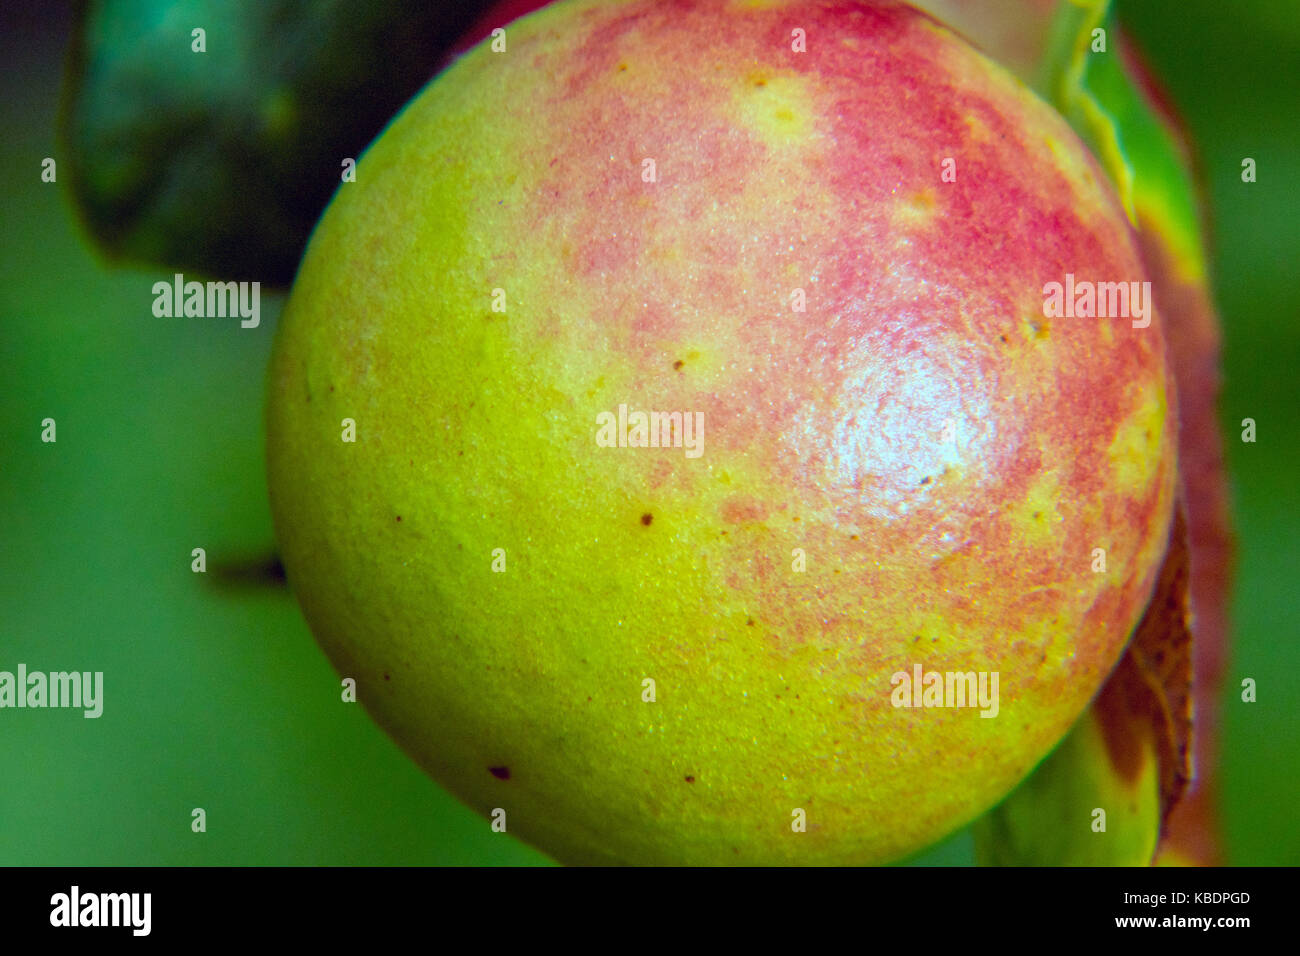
1149	695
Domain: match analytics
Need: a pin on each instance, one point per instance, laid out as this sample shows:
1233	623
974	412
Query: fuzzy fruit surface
914	470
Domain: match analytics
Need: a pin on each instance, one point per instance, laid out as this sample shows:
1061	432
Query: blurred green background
216	695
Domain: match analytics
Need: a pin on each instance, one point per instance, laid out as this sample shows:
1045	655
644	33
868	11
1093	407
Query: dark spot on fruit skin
647	518
750	622
678	364
690	779
501	773
331	388
1002	337
925	480
386	677
399	517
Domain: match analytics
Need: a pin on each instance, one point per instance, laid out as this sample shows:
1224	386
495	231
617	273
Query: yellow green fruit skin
945	458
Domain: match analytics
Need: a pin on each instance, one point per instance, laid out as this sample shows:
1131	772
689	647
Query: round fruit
823	235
